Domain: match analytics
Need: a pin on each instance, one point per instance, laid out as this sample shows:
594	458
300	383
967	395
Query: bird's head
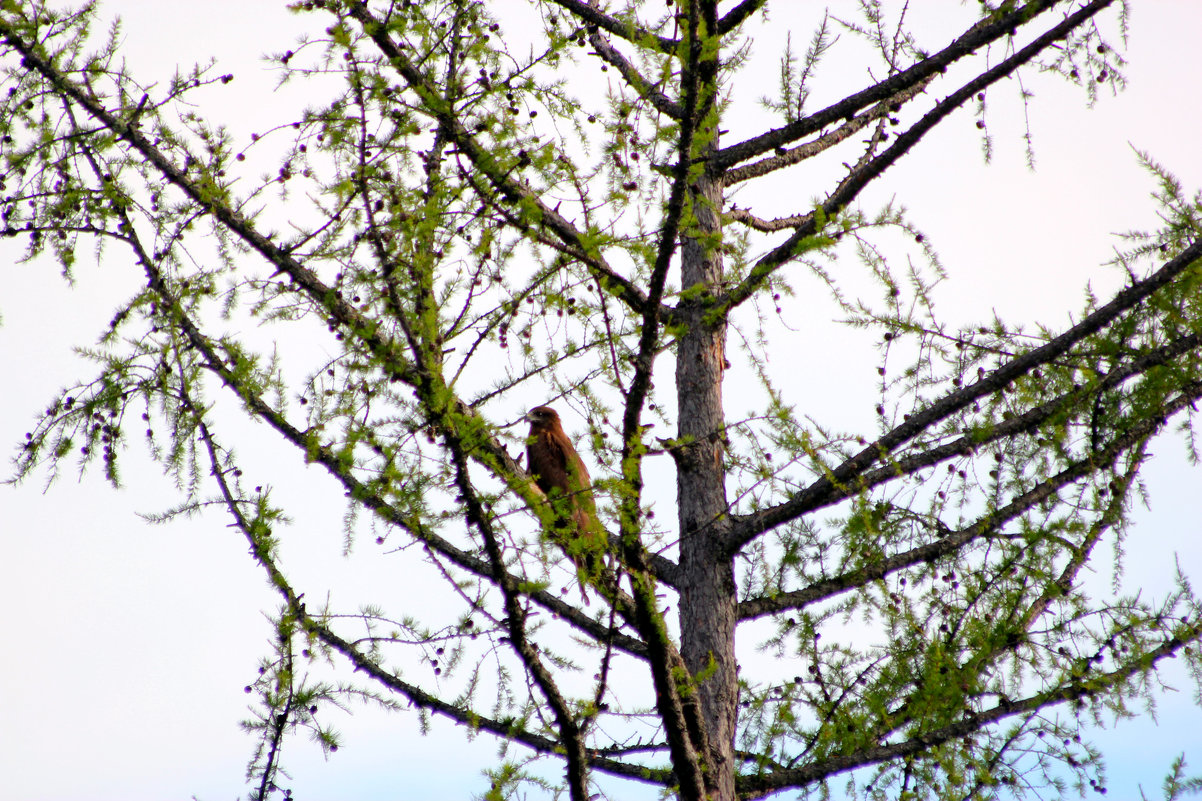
543	417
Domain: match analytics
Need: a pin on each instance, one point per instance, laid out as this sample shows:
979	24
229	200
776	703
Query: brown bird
560	473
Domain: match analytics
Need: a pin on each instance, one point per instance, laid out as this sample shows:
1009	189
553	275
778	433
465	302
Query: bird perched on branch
560	473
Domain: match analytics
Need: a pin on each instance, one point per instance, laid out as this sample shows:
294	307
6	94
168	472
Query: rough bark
707	592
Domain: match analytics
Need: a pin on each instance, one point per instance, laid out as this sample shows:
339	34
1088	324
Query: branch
952	541
259	544
623	30
738	15
786	157
487	163
1006	429
344	313
416	696
571	735
976	37
676	700
389	353
748	527
871	169
328	459
636	80
972	722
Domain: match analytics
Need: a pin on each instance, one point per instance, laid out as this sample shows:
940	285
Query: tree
469	239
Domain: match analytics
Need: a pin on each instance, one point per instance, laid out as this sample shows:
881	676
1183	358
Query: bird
560	473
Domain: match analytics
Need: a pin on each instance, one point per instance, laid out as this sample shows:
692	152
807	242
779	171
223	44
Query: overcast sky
128	644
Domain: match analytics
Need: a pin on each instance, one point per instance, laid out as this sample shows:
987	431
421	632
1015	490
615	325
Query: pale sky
129	644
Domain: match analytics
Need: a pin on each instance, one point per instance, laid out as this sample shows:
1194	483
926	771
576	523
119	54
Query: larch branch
976	37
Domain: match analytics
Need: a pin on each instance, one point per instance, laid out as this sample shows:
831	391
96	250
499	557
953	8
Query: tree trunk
707	591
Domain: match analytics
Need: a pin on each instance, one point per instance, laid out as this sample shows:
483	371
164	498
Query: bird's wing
548	461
